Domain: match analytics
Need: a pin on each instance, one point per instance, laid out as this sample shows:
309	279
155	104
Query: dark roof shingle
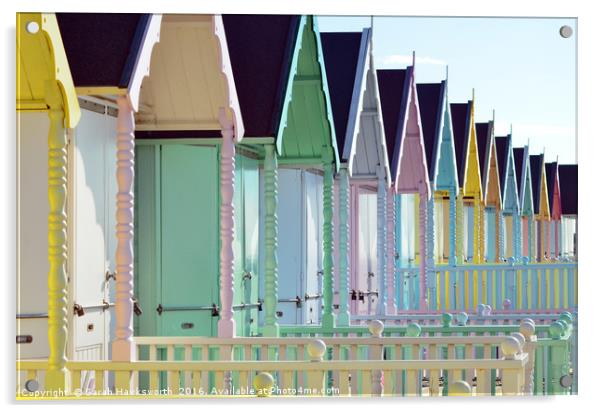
341	53
261	48
536	164
391	87
102	48
568	179
431	100
460	121
502	145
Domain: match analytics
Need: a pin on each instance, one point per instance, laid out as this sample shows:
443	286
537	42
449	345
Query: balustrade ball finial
510	347
527	328
526	260
263	383
488	310
565	325
413	330
520	337
459	388
566	316
446	319
556	330
507	304
481	310
376	328
316	350
462	318
511	260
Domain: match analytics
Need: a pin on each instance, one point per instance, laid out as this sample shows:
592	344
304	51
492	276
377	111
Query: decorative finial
446	73
473	94
413	57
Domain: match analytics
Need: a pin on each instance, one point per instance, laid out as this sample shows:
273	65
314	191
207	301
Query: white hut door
290	245
93	233
313	271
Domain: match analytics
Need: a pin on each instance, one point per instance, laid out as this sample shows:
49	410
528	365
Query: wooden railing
513	286
407	371
557	343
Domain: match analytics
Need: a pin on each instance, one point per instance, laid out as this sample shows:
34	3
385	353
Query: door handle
247	275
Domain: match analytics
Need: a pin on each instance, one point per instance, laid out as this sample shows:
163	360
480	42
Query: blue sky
521	67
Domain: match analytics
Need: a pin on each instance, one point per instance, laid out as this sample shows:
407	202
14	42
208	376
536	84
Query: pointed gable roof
518	166
392	84
461	125
551	176
102	48
502	145
483	130
568	182
341	58
536	165
261	49
431	97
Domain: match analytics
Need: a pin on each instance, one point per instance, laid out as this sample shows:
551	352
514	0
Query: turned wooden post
270	179
430	254
452	247
316	379
343	318
226	326
123	347
56	375
381	240
460	229
502	240
527	329
476	246
423	194
390	248
328	317
517	234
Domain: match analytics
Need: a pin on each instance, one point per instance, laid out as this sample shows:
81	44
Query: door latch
109	275
247	275
214	310
79	310
353	295
137	308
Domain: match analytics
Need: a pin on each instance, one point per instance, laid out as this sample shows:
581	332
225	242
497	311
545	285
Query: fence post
316	378
511	378
376	328
559	357
527	329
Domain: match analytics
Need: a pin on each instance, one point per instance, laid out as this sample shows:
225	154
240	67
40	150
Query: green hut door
189	240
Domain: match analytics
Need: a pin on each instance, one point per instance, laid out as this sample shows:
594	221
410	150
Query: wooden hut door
246	249
312	276
189	273
94	188
290	245
367	279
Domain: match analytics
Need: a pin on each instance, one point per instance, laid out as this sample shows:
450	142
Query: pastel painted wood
46	78
360	138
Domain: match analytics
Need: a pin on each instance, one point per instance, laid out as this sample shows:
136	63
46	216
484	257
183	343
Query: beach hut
46	106
441	162
363	185
469	177
109	56
492	198
409	176
568	184
555	203
285	102
510	200
525	192
541	206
